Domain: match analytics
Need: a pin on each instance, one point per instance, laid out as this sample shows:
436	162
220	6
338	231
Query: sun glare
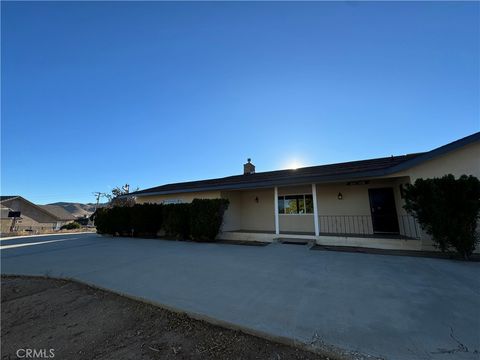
294	164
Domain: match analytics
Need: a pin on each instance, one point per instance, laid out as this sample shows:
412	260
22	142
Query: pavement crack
461	347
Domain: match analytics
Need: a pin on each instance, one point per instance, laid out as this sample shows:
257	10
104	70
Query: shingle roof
58	212
333	172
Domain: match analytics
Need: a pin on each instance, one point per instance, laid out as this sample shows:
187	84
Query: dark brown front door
384	213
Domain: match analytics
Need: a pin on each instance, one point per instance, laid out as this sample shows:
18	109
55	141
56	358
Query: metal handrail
363	225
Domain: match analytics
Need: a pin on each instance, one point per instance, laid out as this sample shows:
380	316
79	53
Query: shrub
146	219
448	210
200	220
176	220
70	226
206	217
120	220
102	219
82	220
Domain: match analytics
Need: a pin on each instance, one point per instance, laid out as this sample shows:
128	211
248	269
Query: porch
367	214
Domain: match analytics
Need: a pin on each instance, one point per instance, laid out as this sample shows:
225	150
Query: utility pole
98	196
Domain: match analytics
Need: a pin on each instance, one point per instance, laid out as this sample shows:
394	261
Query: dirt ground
80	322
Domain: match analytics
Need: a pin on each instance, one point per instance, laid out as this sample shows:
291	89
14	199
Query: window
295	204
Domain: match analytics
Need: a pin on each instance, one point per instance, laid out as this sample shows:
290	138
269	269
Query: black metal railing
363	225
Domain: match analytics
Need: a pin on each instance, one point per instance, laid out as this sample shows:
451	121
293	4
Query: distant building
32	217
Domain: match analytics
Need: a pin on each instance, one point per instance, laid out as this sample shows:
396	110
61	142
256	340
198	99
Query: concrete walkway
385	306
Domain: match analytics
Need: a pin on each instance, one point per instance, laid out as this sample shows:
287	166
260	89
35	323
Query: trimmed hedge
176	220
206	217
199	220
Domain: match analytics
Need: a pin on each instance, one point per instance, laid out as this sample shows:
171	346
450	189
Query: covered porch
367	213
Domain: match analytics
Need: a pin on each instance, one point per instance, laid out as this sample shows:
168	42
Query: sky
99	94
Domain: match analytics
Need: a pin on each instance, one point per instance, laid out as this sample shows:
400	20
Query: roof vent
248	168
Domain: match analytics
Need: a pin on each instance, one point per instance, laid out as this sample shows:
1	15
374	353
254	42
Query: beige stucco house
356	203
32	217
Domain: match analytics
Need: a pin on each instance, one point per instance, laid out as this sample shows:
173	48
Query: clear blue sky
99	94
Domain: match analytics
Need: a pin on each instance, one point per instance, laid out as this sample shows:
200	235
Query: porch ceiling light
340	196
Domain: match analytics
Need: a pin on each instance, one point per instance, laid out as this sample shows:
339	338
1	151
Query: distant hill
78	209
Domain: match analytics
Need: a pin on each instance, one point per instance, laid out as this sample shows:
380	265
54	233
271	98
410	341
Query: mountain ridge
78	209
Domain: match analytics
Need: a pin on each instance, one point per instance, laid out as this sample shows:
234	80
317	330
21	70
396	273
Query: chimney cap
249	160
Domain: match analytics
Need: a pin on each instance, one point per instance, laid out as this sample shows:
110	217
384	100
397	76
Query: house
358	203
32	217
62	215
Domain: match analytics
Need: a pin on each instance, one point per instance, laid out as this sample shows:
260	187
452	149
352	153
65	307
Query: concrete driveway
385	306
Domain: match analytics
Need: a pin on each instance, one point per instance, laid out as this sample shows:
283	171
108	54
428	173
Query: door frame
396	229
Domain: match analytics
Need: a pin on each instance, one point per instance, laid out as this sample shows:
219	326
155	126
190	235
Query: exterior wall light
340	196
256	199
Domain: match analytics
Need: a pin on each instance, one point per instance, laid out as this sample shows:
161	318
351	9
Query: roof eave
435	153
270	183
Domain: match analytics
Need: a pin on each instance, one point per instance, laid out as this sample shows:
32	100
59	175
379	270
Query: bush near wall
199	220
176	220
448	209
206	218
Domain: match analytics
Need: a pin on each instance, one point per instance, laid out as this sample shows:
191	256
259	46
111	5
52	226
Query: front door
384	213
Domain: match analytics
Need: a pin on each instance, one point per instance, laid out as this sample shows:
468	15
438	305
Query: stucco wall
245	213
302	223
31	214
355	200
5	224
461	161
257	216
295	190
232	219
26	223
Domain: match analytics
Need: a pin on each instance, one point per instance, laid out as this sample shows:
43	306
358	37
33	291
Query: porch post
315	209
275	200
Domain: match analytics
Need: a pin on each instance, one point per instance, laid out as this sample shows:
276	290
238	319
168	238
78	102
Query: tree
114	197
448	209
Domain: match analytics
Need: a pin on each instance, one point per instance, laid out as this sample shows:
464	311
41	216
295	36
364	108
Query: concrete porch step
294	241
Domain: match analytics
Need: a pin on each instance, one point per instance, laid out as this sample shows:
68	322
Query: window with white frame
295	204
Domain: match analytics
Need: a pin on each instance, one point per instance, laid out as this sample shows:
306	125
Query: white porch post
275	200
315	209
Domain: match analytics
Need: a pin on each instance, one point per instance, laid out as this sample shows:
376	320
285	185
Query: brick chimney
248	168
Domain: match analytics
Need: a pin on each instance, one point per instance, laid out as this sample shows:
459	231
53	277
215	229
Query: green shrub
101	220
70	226
176	220
448	210
121	220
146	219
200	220
206	217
